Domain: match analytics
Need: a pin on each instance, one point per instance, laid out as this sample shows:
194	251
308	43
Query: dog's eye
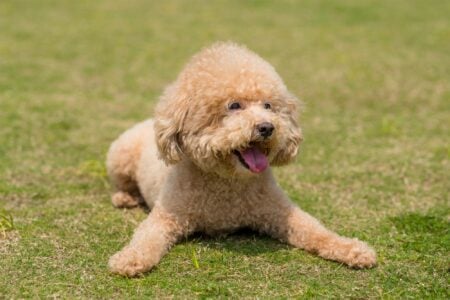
234	106
267	105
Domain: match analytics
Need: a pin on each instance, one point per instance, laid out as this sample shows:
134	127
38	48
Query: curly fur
185	164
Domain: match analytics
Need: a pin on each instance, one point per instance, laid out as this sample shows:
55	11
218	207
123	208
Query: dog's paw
361	256
128	262
124	200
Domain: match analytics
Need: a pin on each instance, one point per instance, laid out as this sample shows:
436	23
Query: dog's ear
293	134
169	119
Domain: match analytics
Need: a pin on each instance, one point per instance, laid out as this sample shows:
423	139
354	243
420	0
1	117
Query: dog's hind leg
122	176
122	161
124	200
127	193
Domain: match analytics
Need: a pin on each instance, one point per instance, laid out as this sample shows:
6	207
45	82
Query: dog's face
230	113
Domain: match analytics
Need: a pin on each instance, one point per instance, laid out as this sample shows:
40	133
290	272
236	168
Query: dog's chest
222	207
211	203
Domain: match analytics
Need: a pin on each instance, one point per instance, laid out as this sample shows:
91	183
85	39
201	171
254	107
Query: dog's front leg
289	223
151	241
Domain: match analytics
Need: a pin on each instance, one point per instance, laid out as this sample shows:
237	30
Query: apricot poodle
203	163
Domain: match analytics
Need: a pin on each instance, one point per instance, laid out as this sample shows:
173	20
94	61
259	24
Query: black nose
265	129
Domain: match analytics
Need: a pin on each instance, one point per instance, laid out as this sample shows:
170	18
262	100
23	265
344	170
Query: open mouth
253	158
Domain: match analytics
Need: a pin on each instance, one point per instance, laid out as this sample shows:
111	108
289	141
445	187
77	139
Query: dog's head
229	112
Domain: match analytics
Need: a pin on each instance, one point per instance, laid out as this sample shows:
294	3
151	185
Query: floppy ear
293	135
169	119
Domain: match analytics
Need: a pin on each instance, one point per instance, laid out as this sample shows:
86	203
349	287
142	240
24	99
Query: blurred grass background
374	77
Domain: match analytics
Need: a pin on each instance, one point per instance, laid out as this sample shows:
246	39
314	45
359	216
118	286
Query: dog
204	163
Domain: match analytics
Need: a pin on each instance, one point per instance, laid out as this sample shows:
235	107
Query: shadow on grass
243	241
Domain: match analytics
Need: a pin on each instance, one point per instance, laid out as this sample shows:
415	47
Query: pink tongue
255	159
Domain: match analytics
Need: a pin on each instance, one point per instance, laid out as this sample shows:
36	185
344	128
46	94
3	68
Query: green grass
374	76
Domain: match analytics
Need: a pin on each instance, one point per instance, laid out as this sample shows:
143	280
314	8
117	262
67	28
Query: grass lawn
375	80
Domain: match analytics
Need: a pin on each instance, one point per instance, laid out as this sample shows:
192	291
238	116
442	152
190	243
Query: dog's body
203	164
